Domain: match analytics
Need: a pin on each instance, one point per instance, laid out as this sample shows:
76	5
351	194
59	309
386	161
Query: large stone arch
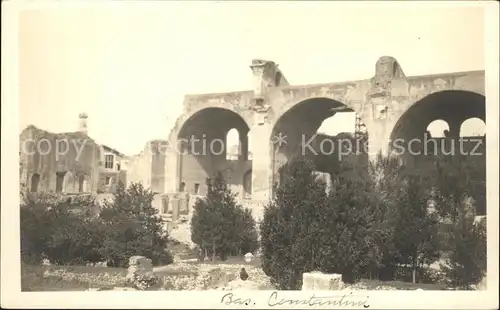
419	148
297	126
402	94
350	94
198	147
193	105
452	106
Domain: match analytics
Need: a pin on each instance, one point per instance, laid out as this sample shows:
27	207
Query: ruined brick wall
139	168
196	170
44	154
158	160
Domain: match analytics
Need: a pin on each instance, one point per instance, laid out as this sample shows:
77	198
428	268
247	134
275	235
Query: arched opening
247	185
212	134
451	106
473	127
447	110
315	129
35	180
60	181
233	144
438	128
182	187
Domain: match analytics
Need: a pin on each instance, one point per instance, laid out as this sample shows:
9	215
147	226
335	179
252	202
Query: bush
458	179
415	229
467	264
133	227
60	230
349	237
35	232
219	226
67	231
304	229
247	234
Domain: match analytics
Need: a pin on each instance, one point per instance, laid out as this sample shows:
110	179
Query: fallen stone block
242	285
316	281
140	272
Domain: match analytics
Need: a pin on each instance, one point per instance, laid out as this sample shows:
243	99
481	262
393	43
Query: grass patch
234	260
69	278
400	285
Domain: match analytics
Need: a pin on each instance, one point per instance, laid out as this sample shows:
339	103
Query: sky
129	66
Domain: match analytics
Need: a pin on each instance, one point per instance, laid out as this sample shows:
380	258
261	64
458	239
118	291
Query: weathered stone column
382	104
261	163
172	167
244	146
455	125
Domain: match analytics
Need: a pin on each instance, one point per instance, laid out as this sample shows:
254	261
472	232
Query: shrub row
69	232
220	227
374	226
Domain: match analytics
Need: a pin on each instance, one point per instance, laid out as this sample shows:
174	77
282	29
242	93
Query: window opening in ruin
35	180
233	145
59	181
108	180
108	161
196	188
81	180
118	166
182	187
438	128
473	127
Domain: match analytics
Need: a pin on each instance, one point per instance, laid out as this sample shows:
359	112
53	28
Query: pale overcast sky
128	67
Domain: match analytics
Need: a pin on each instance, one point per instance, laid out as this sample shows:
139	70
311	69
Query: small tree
133	227
290	226
460	183
349	234
219	225
385	176
467	263
415	231
246	229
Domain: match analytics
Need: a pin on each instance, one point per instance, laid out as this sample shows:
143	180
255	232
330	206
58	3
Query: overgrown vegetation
219	226
69	231
381	226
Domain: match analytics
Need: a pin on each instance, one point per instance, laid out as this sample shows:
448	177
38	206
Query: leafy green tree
246	230
460	187
467	264
133	227
348	241
61	230
385	176
457	178
290	226
221	227
415	231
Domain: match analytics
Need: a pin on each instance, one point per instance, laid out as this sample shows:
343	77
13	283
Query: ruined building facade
68	163
273	120
390	106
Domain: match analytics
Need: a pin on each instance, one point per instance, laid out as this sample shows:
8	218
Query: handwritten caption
274	299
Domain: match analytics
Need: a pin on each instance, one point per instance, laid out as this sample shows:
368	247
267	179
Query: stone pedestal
140	272
317	281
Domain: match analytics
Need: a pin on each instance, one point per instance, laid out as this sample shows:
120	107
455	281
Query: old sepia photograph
275	154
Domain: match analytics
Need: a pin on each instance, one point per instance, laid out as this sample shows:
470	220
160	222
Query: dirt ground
177	276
